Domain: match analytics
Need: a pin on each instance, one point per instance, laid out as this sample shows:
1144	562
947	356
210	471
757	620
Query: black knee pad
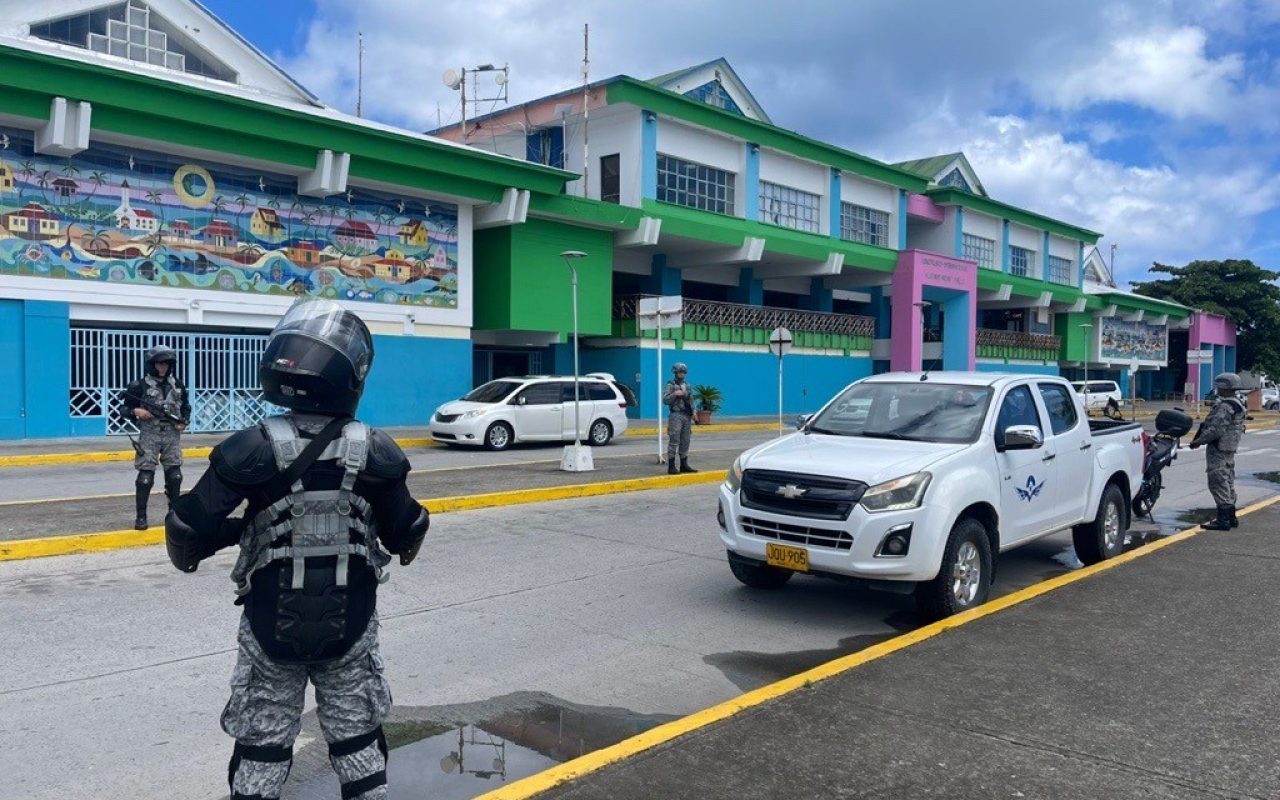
146	479
265	754
173	475
354	745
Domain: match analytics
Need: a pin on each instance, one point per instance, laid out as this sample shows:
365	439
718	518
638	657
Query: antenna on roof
360	76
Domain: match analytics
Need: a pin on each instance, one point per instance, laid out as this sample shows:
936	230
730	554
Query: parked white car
915	483
1270	396
1099	392
534	408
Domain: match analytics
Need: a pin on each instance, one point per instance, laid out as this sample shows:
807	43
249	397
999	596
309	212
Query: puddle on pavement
460	752
1195	516
750	670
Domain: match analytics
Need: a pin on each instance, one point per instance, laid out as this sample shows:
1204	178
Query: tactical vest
310	562
164	393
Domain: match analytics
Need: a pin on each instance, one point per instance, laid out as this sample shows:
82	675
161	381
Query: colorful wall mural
1125	341
128	216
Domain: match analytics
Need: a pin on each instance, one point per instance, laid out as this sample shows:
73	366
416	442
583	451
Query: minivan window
1102	386
543	394
491	392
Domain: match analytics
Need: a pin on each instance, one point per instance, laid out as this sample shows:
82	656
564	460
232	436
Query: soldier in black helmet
326	494
1221	434
159	405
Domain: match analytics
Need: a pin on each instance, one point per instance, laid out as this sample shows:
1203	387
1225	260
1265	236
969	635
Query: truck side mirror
802	420
1022	437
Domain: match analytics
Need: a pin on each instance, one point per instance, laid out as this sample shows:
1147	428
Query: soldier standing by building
678	396
1221	434
158	403
325	495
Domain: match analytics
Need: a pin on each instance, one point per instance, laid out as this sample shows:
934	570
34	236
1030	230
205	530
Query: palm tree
294	208
27	168
243	200
44	180
98	240
155	197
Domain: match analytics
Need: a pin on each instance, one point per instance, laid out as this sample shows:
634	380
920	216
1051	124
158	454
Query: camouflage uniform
1221	432
679	422
264	715
159	439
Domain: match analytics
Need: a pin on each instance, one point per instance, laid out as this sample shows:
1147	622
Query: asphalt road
593	619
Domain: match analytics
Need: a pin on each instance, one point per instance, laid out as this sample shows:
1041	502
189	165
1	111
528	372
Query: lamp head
567	254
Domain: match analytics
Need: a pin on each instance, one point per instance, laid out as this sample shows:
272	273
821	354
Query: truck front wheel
1102	538
759	576
964	580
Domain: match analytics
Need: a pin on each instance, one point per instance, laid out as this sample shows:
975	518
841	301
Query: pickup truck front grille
797	534
800	495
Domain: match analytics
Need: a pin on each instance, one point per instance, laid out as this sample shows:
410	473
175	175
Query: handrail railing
1026	341
708	312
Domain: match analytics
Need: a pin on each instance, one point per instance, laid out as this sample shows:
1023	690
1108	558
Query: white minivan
1098	393
534	408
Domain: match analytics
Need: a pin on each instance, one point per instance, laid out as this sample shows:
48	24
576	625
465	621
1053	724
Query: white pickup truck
914	482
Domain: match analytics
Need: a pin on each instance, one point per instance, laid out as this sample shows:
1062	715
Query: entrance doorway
491	364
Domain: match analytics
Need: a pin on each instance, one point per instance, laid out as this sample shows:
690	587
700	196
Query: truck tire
1102	538
964	579
760	576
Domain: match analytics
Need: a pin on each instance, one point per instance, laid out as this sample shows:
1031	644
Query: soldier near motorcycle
159	405
326	494
1221	434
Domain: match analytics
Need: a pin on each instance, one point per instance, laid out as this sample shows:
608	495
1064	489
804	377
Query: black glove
413	542
1195	443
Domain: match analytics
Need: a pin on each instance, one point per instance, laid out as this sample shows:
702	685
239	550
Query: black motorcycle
1161	451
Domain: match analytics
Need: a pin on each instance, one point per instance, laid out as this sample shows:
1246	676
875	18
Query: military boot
672	469
1223	521
140	521
1235	521
684	466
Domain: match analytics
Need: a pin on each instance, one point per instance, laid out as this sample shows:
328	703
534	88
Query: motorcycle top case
1173	422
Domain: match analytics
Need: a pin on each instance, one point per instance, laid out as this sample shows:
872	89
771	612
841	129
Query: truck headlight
734	479
899	494
480	412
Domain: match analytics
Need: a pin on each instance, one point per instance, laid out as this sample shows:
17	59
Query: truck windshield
920	412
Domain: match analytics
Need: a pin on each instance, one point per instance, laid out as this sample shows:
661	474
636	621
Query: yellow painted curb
22	549
579	767
735	426
50	459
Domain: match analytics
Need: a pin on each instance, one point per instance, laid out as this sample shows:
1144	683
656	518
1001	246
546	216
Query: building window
790	208
1060	270
545	146
694	185
713	94
862	224
956	179
980	250
131	30
610	179
1021	261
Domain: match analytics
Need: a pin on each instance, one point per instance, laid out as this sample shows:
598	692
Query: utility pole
360	77
586	99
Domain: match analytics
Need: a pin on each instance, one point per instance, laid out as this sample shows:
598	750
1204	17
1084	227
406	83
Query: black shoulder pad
386	459
245	458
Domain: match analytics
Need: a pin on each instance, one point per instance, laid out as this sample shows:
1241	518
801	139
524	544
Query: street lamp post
576	458
1086	327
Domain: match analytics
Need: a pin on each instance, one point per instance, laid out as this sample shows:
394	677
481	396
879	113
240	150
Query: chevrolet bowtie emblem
791	491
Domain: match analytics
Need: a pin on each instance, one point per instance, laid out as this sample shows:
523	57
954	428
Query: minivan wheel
601	432
498	437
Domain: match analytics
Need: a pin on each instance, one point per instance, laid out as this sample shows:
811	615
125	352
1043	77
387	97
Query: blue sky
1154	121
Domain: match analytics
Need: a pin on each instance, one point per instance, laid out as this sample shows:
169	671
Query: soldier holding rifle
159	404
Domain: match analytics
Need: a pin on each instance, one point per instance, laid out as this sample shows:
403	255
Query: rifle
156	410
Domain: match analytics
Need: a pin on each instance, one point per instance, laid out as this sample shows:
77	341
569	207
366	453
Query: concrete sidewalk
1155	678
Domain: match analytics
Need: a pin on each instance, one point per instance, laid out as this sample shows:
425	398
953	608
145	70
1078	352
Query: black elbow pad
413	538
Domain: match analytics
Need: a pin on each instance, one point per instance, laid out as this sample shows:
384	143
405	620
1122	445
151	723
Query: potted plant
709	400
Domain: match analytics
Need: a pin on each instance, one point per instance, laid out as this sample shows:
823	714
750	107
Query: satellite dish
500	78
451	79
449	763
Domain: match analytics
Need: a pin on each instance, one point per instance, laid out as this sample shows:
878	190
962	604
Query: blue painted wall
35	373
749	381
411	376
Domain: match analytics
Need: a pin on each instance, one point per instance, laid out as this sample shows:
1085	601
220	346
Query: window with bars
862	224
980	250
132	30
790	208
610	179
694	185
1021	261
1060	271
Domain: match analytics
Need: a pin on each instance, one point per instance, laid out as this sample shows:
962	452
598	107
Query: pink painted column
954	284
906	340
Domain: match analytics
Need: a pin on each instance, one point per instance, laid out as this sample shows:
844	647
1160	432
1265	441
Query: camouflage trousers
1221	468
264	716
161	444
679	432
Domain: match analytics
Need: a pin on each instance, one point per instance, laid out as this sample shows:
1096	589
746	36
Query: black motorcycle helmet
157	354
317	359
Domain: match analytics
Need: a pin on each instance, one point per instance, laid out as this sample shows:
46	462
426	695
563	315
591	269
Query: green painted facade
1075	340
522	283
1007	352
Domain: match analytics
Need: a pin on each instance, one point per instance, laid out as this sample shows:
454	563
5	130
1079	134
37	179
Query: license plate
792	558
